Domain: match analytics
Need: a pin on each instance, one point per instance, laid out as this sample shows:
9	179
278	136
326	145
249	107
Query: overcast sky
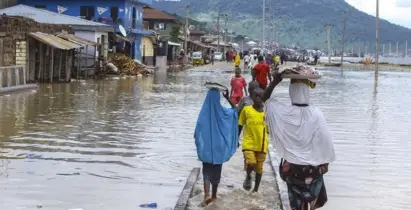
396	11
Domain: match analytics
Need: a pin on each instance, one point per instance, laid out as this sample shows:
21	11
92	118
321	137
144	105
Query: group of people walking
298	131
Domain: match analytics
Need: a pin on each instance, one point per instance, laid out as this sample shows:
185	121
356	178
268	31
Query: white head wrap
300	134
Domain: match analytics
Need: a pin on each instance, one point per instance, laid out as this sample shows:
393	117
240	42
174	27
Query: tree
174	33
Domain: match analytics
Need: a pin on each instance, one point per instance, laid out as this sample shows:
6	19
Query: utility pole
263	28
359	52
397	49
218	32
329	42
225	31
390	49
377	37
186	29
342	40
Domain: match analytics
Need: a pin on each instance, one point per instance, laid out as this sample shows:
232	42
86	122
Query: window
87	12
114	13
159	26
40	6
134	23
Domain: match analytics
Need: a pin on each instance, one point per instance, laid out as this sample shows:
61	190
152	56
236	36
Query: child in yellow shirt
255	142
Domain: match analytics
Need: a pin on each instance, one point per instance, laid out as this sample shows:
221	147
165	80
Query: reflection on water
116	143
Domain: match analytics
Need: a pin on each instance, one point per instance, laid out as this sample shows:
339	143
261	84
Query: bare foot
206	201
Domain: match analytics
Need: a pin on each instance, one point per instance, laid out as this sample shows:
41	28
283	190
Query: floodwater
117	143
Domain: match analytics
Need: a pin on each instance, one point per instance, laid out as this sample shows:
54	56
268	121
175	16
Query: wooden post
377	34
86	58
1	52
78	62
41	60
61	62
96	60
51	64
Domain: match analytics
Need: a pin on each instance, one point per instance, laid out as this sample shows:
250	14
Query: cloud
395	11
403	3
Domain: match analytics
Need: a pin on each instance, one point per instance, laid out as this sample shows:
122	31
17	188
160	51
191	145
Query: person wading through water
255	142
301	137
216	139
247	101
261	72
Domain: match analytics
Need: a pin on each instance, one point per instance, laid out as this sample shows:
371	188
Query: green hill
299	22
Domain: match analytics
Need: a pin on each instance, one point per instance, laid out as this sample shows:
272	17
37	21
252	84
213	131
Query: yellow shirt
255	130
277	59
237	60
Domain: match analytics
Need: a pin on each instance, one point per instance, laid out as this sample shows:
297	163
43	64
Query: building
196	35
127	13
36	52
93	31
162	23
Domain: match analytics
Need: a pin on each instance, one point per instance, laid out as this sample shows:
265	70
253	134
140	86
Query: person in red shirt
261	72
238	84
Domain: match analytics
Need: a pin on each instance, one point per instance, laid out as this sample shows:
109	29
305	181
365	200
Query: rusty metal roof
155	14
54	41
76	39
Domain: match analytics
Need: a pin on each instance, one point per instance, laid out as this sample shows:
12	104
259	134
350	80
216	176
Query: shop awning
76	39
54	41
174	44
120	38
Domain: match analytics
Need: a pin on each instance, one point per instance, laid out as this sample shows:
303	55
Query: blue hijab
216	132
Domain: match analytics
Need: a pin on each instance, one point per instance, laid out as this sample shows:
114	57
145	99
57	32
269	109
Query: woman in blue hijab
216	138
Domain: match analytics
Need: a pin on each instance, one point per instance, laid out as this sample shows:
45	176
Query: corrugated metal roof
54	41
155	14
76	39
45	16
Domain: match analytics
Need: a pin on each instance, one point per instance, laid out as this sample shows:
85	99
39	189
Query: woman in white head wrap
301	137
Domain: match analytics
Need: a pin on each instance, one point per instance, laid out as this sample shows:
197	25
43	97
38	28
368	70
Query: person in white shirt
246	61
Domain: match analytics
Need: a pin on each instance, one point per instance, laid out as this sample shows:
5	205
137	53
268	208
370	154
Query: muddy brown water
117	143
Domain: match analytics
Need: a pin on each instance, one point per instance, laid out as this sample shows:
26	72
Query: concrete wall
73	6
7	3
12	76
95	37
148	51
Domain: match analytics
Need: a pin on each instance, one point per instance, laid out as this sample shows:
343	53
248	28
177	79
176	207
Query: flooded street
117	143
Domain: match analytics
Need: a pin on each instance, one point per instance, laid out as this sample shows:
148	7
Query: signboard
61	9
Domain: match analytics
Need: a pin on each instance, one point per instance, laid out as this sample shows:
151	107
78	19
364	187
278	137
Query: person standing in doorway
261	72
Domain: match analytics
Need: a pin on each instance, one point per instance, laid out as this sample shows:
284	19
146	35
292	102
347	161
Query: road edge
187	190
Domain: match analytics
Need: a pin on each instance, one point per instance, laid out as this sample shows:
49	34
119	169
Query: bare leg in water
207	198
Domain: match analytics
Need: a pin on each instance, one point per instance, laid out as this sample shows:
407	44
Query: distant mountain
299	22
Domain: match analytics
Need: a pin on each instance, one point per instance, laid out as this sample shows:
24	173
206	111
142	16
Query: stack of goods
128	66
301	72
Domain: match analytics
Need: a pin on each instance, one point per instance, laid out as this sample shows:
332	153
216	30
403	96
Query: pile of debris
125	65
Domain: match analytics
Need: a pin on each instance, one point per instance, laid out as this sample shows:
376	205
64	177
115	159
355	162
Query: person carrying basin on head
301	137
261	72
255	138
216	139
